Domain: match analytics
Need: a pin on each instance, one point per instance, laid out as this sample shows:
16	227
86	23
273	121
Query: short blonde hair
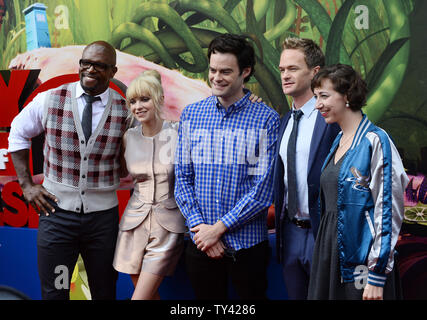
147	84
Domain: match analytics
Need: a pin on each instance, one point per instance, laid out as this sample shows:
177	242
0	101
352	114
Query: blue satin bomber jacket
370	204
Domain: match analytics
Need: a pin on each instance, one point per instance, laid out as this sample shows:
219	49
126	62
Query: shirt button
83	192
83	176
216	201
85	158
82	141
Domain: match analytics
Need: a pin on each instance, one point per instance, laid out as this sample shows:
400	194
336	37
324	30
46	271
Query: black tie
292	175
87	115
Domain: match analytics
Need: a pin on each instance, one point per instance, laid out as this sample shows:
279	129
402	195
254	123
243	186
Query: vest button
85	158
83	176
83	192
82	141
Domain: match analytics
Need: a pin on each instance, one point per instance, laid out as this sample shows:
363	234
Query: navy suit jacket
321	142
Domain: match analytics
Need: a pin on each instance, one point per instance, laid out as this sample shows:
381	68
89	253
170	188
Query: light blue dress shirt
305	133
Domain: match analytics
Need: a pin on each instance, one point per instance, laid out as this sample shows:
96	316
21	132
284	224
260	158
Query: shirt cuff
229	220
194	220
376	279
16	146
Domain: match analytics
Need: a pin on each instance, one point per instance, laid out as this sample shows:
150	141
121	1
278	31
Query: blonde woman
151	232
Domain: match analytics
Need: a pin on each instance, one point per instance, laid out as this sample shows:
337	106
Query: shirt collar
104	96
308	108
240	104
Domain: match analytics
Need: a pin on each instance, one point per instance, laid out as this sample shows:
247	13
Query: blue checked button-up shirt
224	166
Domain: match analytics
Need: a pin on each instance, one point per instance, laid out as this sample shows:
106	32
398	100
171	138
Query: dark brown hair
237	45
345	81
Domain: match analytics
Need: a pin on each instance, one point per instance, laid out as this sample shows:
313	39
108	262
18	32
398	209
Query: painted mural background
383	40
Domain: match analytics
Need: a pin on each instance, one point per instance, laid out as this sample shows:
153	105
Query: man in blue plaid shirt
223	172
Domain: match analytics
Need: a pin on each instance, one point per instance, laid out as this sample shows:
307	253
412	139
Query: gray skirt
325	278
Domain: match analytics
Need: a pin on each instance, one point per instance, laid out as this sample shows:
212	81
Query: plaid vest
68	160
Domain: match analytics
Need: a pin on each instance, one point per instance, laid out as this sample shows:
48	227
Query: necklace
344	142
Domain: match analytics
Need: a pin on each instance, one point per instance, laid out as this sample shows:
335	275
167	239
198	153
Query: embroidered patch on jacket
361	183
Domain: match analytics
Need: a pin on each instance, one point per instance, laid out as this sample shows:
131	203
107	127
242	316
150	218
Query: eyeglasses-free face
98	66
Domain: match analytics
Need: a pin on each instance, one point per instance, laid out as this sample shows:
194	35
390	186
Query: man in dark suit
304	141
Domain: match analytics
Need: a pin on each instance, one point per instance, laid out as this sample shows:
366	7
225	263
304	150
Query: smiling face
295	74
330	103
143	109
225	77
95	80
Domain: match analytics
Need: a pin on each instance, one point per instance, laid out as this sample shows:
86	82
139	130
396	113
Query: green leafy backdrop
389	53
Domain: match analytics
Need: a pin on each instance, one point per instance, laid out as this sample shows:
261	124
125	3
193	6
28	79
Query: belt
303	224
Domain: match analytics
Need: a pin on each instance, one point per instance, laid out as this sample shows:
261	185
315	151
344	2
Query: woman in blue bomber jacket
361	197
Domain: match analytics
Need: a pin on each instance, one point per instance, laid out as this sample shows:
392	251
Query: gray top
329	184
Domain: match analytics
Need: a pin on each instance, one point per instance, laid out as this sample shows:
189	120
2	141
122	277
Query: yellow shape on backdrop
79	289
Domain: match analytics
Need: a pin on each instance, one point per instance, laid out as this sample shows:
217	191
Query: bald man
83	123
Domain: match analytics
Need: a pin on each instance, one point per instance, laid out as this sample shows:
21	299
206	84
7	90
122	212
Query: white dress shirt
304	136
29	122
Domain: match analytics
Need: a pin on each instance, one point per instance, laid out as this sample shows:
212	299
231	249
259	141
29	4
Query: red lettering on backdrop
51	84
20	214
33	217
60	80
10	194
10	95
6	165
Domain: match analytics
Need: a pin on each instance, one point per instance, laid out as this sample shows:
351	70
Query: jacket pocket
135	213
169	203
169	216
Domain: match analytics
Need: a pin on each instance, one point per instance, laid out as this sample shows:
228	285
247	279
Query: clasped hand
208	239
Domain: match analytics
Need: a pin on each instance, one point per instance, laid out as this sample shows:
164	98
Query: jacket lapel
318	132
282	128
